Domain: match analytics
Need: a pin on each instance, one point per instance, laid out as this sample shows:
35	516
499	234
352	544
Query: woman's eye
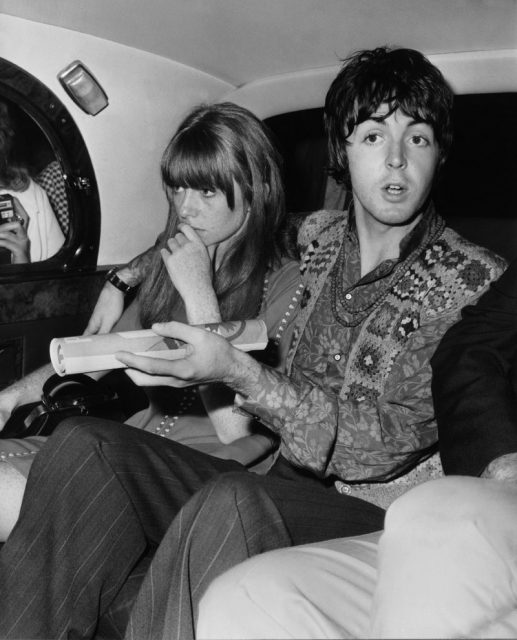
208	193
176	190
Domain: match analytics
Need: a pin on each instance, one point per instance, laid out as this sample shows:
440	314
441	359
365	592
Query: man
445	565
354	413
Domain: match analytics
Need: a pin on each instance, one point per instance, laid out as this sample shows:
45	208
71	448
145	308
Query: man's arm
135	270
474	382
28	389
337	436
319	430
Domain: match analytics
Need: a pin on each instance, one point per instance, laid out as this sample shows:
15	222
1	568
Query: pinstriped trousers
101	495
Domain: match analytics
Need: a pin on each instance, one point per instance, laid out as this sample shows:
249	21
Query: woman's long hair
213	147
11	176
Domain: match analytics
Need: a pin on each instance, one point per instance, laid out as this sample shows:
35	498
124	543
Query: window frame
80	250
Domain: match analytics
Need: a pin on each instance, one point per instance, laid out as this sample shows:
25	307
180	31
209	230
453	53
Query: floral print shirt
355	403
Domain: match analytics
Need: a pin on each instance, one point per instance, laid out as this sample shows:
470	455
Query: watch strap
113	278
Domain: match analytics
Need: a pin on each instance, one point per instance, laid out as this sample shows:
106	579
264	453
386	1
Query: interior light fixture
82	86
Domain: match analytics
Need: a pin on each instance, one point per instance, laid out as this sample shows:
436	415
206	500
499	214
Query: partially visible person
445	566
221	257
36	234
309	592
383	282
450	547
448	552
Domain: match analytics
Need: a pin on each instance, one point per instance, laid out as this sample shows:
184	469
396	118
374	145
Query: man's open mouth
394	189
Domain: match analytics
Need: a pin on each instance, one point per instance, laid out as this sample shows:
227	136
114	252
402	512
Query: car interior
170	56
152	60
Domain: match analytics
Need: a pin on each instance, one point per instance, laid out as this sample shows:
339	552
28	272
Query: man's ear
441	161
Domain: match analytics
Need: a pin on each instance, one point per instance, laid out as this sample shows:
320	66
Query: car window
60	196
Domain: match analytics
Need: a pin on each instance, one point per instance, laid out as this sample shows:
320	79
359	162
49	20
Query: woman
224	224
36	234
220	259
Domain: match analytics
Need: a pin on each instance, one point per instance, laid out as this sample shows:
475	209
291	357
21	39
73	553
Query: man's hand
503	469
108	309
208	358
189	265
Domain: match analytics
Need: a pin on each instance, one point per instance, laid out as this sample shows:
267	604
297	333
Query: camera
7	212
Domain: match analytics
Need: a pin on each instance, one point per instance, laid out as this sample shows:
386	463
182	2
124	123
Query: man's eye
419	141
372	138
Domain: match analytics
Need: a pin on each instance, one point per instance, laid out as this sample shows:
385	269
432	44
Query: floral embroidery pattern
358	401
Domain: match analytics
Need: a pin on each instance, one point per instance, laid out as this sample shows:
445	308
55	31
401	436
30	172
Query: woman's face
209	214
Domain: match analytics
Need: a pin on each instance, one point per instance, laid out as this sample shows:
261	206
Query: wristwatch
113	278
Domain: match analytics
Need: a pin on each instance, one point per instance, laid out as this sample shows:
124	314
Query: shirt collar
410	241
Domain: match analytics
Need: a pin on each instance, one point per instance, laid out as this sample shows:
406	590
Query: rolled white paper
84	354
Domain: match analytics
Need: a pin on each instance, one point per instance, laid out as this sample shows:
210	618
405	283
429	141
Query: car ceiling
241	41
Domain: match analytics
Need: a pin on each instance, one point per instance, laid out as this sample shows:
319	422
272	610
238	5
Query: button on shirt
346	409
326	342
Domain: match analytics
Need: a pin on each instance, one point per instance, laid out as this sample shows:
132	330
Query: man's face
392	163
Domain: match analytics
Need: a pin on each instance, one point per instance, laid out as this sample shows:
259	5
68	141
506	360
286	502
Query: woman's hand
189	265
27	389
108	309
8	403
13	235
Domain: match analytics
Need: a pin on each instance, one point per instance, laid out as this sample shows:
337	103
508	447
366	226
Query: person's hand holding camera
13	235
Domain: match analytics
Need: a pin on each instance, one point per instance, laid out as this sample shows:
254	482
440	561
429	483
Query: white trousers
445	567
295	593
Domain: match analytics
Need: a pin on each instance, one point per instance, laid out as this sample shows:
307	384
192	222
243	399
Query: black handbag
114	398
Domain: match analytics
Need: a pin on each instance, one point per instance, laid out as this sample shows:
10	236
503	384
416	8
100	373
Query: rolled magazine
85	354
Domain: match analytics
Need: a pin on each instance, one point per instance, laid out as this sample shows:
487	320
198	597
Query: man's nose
396	157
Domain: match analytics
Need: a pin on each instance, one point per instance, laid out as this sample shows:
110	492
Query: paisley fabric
357	406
